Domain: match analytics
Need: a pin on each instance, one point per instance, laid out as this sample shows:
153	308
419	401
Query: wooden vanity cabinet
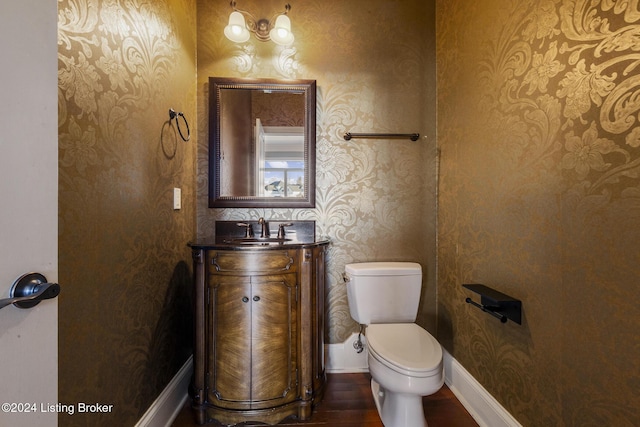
259	333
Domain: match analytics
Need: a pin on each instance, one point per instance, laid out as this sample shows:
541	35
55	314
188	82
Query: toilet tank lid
383	269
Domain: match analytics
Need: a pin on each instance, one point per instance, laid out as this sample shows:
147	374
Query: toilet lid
406	347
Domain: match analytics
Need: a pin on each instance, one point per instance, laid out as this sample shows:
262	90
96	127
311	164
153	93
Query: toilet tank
383	292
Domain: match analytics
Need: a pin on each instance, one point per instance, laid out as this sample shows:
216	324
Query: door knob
29	290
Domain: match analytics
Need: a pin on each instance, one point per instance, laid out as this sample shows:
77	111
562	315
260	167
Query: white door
28	209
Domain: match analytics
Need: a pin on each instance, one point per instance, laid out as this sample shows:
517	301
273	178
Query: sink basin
254	240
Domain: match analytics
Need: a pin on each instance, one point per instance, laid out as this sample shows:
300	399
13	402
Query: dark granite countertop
230	236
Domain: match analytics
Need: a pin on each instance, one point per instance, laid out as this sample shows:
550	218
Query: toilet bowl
405	363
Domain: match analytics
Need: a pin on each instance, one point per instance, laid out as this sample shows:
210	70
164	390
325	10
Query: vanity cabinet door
229	353
274	340
253	347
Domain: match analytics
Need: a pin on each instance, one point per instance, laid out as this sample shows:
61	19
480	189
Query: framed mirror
262	143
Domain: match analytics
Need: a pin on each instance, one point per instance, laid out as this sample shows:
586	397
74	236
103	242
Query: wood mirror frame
231	136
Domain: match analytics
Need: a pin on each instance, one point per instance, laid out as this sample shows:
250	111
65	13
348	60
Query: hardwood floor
348	403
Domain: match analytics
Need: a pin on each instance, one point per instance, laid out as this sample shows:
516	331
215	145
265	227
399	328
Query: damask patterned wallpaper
538	194
124	267
375	70
539	197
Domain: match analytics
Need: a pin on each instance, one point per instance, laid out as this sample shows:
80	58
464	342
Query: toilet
405	361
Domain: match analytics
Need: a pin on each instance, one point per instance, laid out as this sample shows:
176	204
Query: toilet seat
405	348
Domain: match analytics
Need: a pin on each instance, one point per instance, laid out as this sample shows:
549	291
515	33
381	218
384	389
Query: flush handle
29	290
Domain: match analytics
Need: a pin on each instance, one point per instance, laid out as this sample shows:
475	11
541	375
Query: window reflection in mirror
280	160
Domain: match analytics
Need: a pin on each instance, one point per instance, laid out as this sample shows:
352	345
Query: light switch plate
177	199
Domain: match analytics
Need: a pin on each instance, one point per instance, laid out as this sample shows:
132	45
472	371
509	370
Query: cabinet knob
256	298
245	299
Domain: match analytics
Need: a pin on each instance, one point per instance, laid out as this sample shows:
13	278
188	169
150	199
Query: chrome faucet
265	227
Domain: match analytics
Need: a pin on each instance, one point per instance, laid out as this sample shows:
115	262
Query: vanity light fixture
242	24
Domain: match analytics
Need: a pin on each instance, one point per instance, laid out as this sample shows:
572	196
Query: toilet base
398	409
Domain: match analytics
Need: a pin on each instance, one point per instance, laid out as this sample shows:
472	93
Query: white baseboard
343	358
164	410
483	407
